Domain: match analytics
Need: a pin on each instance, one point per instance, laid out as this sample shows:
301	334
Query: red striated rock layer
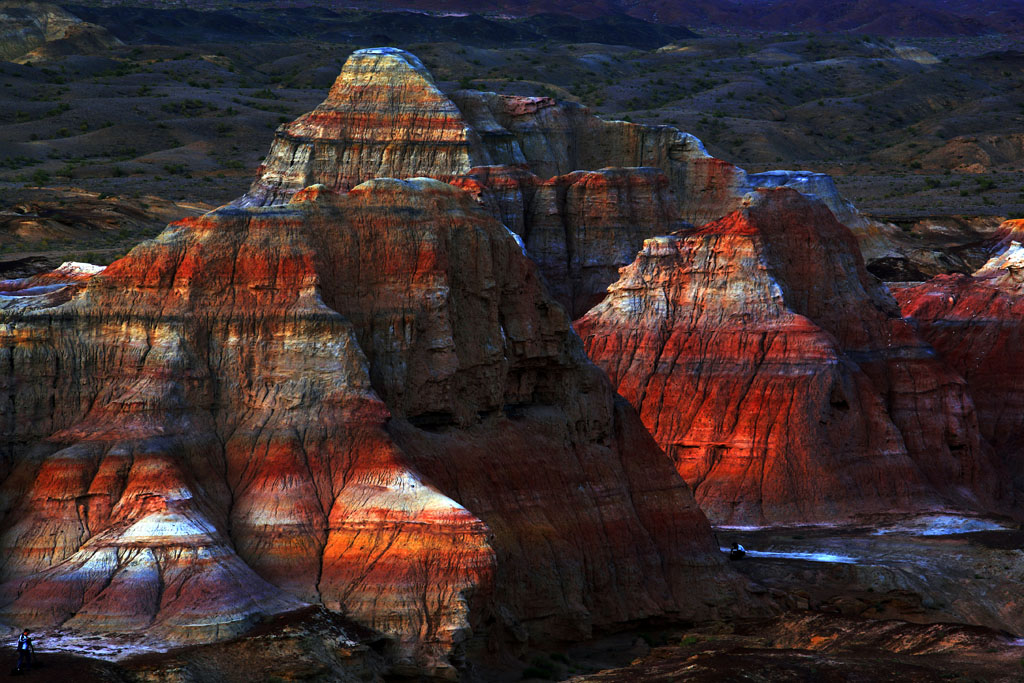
977	324
777	374
365	400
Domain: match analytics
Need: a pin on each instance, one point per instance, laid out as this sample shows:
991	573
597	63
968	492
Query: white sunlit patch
166	525
1012	259
814	525
79	268
518	239
108	648
941	525
809	556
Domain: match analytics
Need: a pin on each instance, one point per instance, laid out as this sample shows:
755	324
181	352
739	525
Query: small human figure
737	552
25	652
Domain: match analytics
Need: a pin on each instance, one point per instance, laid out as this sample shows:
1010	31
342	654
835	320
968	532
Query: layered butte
976	322
365	400
582	193
780	378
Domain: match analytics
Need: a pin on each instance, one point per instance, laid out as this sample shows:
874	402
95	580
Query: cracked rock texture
780	378
365	400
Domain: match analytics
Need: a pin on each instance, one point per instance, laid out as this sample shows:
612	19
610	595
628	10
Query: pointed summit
384	117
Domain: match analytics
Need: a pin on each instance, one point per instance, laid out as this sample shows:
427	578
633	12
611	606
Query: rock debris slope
779	376
364	400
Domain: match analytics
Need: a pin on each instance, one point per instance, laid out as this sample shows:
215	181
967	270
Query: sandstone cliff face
364	400
526	160
975	323
778	375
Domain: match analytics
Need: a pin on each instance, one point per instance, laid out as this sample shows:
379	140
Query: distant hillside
245	22
883	17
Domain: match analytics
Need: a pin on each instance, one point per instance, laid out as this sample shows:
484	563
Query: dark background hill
187	26
881	17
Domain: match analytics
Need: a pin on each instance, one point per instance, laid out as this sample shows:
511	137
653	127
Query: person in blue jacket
25	652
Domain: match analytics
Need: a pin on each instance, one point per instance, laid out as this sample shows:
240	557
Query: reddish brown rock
977	325
1006	234
364	400
780	378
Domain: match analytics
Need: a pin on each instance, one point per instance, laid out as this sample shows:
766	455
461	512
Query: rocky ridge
35	30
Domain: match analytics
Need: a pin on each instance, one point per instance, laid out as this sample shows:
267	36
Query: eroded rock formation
364	400
581	192
977	325
360	392
779	376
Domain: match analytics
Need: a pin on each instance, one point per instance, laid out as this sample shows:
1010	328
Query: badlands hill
366	400
357	387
